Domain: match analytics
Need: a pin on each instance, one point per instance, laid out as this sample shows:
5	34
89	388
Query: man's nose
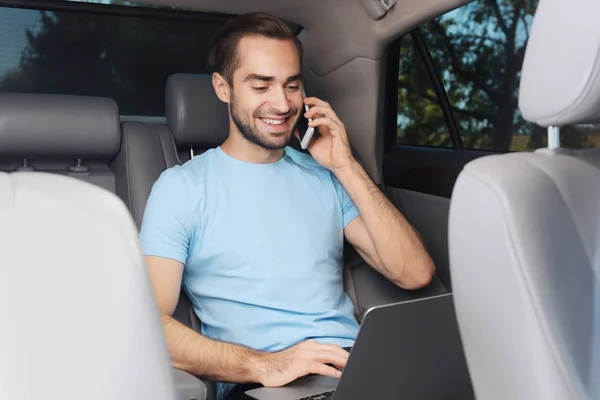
280	101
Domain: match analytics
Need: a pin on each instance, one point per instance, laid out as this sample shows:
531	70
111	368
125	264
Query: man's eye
293	88
260	89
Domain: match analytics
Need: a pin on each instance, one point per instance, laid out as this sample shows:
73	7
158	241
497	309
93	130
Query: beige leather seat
524	230
78	317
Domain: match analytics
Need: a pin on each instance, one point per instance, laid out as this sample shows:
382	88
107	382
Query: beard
250	131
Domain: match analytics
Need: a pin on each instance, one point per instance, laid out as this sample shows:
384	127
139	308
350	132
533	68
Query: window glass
478	49
420	120
126	58
127	3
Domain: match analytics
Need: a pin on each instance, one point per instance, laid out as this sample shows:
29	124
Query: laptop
407	350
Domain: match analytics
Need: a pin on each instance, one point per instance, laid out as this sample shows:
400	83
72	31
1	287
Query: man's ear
221	87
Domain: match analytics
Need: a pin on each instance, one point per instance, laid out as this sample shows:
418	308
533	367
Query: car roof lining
329	39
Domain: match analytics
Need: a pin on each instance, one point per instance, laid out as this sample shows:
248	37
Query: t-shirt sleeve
349	210
166	226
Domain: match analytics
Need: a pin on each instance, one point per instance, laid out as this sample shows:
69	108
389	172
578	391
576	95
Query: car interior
477	118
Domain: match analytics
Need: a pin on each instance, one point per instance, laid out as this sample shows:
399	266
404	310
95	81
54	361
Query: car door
452	88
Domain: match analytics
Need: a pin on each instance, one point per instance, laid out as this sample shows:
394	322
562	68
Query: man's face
266	97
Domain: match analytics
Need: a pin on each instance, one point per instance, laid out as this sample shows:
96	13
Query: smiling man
255	229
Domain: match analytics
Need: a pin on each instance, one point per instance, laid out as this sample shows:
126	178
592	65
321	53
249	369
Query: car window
420	119
478	51
125	57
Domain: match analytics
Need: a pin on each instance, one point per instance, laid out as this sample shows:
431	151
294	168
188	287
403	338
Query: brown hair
223	57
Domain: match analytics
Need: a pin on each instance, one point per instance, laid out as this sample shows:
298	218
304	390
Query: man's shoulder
192	168
187	176
308	163
199	162
311	166
305	160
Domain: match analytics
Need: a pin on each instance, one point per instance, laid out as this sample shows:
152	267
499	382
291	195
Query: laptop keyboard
320	396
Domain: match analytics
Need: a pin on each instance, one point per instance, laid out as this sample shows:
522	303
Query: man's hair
224	58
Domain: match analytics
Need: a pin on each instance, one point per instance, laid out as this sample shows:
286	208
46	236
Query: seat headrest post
191	152
78	167
553	137
25	166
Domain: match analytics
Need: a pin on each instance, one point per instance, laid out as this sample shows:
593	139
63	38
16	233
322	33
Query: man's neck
241	149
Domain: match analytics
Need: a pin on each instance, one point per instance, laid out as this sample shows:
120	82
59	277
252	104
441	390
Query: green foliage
479	50
421	120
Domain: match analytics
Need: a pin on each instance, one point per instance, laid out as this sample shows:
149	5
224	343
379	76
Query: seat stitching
162	146
127	173
180	116
172	140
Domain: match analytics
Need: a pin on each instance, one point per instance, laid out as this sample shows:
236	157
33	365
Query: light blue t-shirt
262	247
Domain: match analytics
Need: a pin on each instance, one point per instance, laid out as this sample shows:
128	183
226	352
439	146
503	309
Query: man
255	229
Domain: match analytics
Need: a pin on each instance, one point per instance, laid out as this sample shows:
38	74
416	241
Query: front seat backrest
78	317
524	230
530	225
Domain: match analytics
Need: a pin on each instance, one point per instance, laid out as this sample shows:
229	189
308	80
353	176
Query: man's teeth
273	121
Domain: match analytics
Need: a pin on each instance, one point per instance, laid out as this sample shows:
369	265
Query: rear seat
68	135
146	151
196	117
81	137
196	122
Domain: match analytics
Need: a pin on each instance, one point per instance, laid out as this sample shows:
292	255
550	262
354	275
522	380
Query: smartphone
304	131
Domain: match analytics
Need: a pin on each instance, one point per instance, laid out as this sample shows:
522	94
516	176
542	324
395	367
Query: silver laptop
408	350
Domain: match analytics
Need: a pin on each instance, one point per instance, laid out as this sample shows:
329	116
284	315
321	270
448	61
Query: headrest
560	80
58	126
195	115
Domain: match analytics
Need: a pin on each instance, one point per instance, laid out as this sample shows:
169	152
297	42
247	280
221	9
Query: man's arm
189	350
225	362
381	234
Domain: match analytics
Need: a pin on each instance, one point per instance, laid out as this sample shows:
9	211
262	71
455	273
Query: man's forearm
397	244
210	359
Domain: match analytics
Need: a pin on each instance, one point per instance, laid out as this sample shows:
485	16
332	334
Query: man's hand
332	149
381	234
309	357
